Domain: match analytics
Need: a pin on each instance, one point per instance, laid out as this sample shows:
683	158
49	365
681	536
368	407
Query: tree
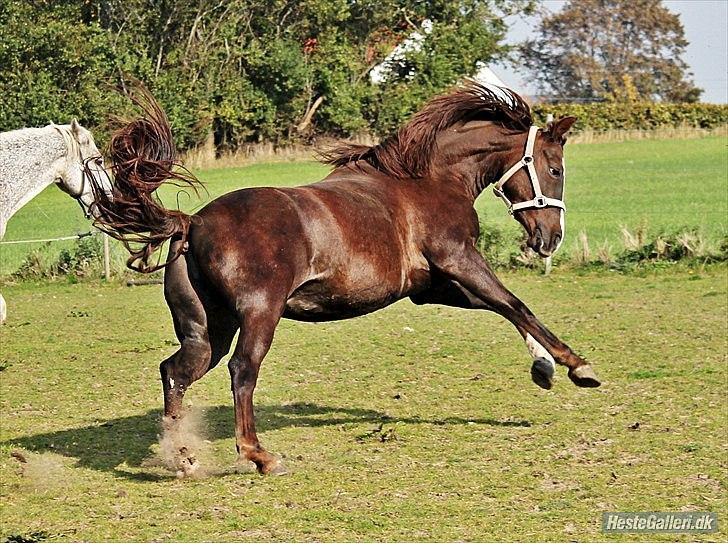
239	71
282	69
461	35
54	59
609	49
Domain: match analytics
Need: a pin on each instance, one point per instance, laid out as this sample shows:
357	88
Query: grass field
411	424
657	183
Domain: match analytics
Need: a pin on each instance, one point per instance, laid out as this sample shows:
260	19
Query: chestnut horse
391	221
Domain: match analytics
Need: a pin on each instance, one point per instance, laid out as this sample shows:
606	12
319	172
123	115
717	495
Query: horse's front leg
474	285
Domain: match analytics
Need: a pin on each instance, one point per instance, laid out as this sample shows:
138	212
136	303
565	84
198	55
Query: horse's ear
558	129
75	127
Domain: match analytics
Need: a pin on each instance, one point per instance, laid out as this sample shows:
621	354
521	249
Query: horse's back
247	235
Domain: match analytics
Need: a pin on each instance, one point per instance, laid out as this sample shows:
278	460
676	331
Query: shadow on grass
127	440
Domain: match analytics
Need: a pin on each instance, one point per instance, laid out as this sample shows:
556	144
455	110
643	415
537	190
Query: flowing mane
408	152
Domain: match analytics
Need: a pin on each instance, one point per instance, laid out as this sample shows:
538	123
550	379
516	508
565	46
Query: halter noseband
539	200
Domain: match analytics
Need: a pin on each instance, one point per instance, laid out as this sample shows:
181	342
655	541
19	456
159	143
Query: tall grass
639	247
671	133
206	157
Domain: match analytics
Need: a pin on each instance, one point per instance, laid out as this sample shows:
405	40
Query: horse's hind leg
202	345
205	332
204	329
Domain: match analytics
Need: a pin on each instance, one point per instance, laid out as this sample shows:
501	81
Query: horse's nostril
538	238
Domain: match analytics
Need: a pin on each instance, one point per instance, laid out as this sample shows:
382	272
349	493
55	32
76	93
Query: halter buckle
539	201
502	195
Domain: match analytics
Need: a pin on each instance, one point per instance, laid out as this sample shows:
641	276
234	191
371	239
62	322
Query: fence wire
49	240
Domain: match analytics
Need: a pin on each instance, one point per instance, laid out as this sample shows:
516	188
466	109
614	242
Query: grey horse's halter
539	200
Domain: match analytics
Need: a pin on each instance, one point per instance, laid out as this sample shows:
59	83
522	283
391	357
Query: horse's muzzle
544	245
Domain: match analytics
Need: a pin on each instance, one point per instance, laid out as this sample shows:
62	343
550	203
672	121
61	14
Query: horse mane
408	152
74	148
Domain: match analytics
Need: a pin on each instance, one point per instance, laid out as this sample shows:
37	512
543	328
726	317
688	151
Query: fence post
547	264
107	263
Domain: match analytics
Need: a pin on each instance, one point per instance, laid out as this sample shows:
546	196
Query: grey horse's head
83	159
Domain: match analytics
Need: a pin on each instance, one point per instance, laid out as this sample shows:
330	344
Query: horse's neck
29	160
474	156
474	173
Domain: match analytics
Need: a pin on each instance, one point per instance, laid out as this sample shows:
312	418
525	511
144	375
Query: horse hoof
188	469
584	376
273	468
542	373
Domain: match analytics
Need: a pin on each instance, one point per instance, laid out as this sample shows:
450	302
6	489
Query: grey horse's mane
72	145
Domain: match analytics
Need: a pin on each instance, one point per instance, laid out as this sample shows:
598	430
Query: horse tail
143	157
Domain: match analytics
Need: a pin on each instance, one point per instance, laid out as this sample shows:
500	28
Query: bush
503	247
637	115
53	67
85	259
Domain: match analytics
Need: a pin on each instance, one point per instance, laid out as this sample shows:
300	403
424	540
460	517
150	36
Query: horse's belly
316	302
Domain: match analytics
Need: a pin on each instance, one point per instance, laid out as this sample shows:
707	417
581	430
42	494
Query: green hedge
631	116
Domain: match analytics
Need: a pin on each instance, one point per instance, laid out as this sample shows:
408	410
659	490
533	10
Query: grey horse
33	158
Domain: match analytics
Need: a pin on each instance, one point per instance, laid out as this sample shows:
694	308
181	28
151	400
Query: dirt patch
42	472
183	448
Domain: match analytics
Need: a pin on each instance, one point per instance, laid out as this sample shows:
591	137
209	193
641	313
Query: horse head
82	169
533	187
474	136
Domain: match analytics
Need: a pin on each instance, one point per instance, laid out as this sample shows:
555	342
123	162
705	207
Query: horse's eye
555	172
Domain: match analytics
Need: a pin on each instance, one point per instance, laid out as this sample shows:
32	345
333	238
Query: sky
706	28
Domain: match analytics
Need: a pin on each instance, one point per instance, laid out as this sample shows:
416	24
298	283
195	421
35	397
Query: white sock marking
538	351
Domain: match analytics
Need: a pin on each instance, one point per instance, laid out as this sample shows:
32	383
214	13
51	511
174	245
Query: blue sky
705	23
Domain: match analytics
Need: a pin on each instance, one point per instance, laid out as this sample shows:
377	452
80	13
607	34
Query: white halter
539	200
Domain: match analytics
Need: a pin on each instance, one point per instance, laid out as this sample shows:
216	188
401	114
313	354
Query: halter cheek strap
539	200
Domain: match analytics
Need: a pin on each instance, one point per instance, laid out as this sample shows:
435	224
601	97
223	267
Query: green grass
473	451
662	184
